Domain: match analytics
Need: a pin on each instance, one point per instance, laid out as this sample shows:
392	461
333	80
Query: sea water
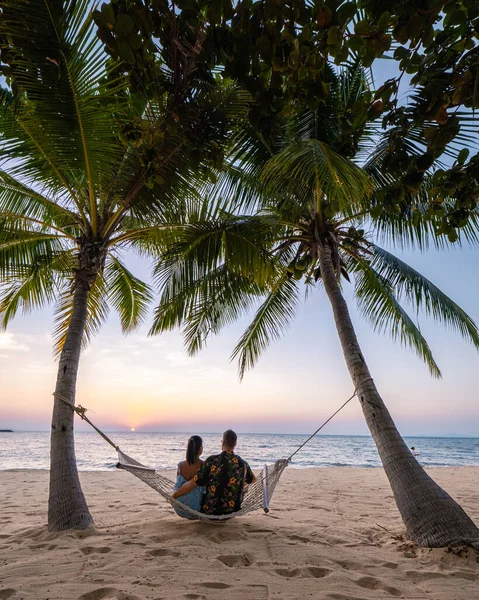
30	450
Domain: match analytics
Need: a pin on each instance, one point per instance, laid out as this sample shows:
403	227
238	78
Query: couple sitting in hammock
215	486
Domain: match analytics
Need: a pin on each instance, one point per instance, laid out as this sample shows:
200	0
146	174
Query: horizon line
365	435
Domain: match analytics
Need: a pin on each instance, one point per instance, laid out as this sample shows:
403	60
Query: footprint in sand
370	583
43	547
95	550
5	594
235	560
108	593
163	552
288	572
195	596
299	538
316	572
215	585
130	543
156	539
227	536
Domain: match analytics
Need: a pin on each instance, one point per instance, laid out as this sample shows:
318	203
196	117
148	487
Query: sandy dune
332	534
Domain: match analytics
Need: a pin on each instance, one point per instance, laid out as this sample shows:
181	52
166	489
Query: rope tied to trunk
80	411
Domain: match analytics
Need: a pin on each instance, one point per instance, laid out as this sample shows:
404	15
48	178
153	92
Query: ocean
30	450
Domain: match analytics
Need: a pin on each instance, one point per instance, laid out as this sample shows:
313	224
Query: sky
151	384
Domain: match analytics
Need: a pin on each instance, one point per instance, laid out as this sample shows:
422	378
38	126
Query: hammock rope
256	495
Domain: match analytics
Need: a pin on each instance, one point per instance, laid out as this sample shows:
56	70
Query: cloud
8	343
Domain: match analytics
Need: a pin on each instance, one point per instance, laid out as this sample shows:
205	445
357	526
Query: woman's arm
184	489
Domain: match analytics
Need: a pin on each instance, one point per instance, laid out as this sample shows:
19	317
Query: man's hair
230	438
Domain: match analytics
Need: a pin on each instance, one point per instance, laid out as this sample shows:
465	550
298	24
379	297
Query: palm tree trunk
432	518
67	507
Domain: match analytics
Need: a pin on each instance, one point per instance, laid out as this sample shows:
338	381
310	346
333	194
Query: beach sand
332	533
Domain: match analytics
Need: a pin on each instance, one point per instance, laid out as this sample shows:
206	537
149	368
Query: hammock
256	495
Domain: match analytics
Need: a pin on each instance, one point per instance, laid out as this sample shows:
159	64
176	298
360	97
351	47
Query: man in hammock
224	476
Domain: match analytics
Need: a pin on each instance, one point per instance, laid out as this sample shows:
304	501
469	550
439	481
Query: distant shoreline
6	430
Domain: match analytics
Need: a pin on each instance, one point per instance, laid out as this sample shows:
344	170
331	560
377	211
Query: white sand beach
333	533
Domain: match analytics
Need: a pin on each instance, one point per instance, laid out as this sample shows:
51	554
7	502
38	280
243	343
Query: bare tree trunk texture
432	518
67	507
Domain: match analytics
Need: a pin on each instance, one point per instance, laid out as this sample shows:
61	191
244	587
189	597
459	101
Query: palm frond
205	306
66	137
21	247
311	171
35	287
128	295
423	294
379	305
97	313
17	198
201	245
269	323
416	228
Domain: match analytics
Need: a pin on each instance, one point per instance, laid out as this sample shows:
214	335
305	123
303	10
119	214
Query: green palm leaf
378	304
64	140
416	228
17	198
97	313
269	323
423	294
36	287
205	306
21	247
202	245
310	172
129	296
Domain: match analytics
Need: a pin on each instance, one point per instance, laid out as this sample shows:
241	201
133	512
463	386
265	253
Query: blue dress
193	499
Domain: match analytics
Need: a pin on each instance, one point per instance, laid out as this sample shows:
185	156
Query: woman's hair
192	449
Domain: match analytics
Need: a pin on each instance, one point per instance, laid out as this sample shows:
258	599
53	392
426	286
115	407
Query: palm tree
88	171
314	195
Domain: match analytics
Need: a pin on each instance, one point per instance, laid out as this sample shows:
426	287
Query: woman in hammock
186	470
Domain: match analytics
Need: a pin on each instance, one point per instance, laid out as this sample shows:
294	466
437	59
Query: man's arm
184	489
200	479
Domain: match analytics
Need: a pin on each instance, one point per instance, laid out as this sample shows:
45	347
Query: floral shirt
224	476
